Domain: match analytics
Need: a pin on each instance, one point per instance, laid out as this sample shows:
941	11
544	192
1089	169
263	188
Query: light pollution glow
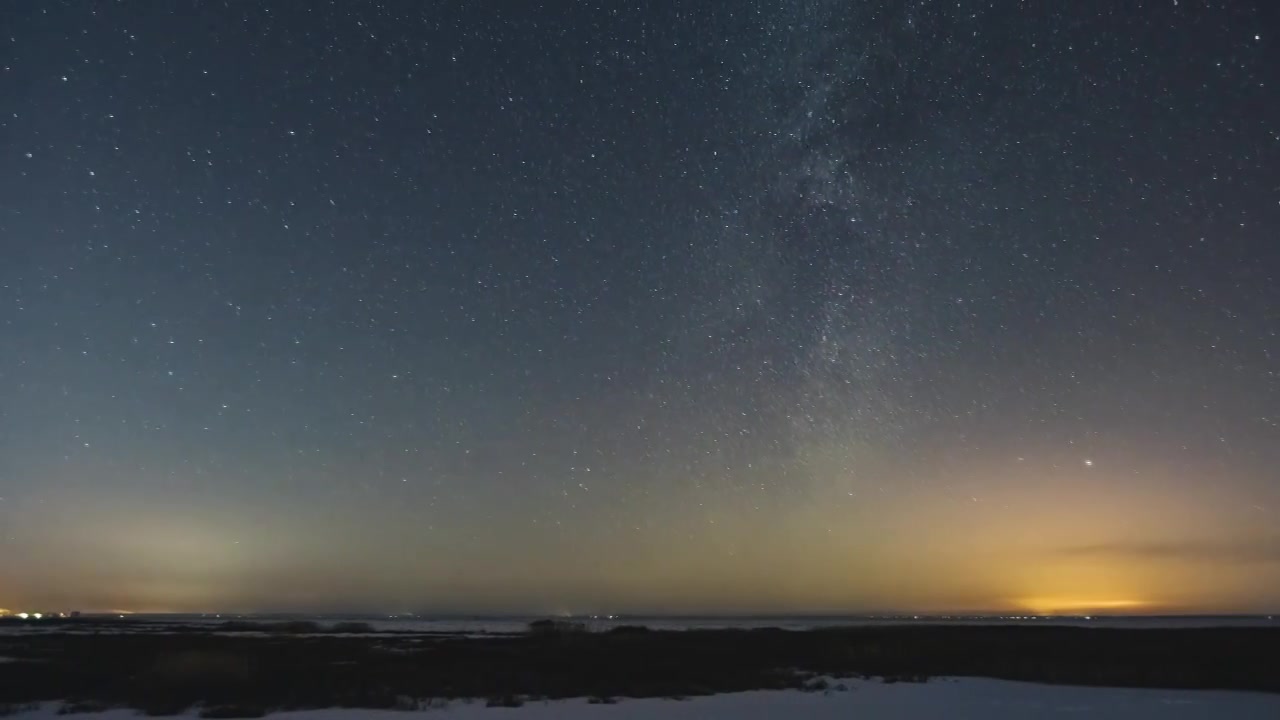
1070	545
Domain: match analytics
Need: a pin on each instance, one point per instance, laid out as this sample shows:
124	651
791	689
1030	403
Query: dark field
234	674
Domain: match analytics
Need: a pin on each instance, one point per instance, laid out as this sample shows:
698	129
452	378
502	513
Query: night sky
757	306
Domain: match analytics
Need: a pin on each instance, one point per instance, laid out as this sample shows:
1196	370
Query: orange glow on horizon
1057	545
1061	605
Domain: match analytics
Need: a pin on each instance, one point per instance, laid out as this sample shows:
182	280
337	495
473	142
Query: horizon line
520	615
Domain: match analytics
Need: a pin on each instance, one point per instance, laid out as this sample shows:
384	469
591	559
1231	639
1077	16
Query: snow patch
951	698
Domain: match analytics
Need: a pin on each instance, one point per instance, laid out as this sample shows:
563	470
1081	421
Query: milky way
803	306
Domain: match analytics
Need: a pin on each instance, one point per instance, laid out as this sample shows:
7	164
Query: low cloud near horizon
1264	550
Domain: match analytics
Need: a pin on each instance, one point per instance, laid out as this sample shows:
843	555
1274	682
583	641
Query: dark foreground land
239	674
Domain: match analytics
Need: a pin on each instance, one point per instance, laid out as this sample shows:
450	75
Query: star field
560	306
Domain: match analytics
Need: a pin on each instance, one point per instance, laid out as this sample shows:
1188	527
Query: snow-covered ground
952	699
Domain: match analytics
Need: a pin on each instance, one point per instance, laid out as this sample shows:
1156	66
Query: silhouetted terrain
290	666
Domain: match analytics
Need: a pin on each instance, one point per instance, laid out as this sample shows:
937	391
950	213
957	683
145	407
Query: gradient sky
566	306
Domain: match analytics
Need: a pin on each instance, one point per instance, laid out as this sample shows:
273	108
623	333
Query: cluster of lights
1047	617
38	616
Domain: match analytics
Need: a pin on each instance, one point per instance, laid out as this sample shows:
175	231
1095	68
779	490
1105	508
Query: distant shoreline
508	624
655	616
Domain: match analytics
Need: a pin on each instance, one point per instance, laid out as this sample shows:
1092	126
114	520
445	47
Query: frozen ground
953	699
